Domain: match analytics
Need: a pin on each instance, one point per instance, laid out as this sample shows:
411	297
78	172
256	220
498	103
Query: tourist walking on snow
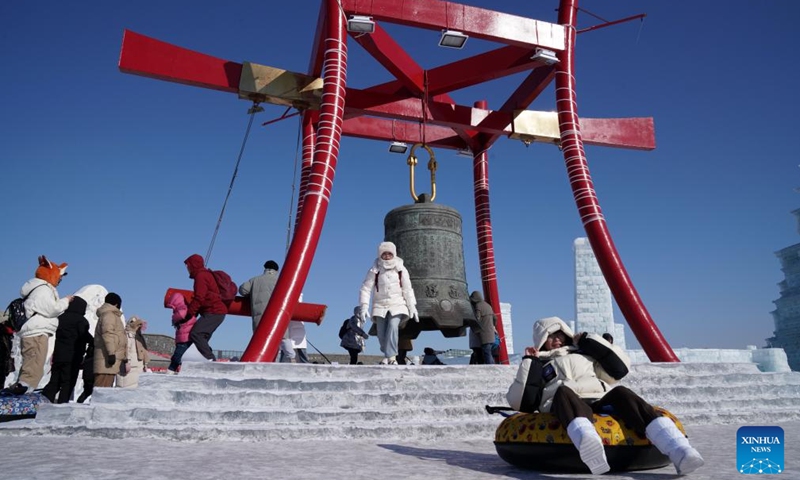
136	355
42	307
259	290
72	338
482	336
353	336
389	285
183	329
207	303
110	341
581	387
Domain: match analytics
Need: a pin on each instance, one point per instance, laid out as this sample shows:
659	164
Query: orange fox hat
49	271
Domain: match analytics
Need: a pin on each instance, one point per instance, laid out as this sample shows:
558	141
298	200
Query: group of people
112	351
197	321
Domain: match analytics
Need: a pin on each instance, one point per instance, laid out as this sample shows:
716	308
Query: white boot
663	433
589	444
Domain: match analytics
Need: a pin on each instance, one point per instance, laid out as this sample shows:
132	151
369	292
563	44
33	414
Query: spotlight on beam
466	152
360	24
548	57
398	147
453	39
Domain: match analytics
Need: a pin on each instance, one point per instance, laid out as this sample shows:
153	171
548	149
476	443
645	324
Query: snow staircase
267	402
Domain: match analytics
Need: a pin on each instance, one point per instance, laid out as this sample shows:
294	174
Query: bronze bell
428	239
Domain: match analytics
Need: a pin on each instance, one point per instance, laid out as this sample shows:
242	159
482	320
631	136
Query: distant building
787	312
594	311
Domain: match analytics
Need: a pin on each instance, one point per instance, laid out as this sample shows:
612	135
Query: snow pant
388	334
34	353
619	401
202	331
353	355
177	355
104	379
287	354
63	377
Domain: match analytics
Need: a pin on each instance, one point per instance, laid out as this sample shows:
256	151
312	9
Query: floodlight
466	152
398	147
360	24
548	57
453	39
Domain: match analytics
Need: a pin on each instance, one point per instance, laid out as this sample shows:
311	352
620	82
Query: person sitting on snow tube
577	386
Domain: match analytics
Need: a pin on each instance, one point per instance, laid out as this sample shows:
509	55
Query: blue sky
123	177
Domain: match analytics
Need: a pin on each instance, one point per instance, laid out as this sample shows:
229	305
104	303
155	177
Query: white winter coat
574	370
43	306
393	292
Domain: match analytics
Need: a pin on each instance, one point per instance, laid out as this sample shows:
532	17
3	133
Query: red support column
642	325
264	345
309	139
483	220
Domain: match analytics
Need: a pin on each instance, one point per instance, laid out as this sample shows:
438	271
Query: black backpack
343	328
16	311
539	375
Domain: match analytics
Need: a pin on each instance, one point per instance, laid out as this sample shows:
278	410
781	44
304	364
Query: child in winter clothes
182	330
353	338
137	357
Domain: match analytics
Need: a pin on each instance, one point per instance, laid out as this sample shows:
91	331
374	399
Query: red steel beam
392	130
305	312
476	22
483	223
388	53
153	58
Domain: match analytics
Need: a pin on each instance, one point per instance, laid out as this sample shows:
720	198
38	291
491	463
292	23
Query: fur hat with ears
49	271
135	323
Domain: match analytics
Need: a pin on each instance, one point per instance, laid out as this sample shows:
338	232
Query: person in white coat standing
389	285
42	307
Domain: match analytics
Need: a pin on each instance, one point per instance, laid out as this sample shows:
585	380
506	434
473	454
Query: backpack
16	311
539	375
343	328
227	289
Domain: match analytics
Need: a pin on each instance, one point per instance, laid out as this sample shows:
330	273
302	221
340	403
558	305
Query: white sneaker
393	362
171	372
385	361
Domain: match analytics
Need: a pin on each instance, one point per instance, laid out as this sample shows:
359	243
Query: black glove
187	317
112	359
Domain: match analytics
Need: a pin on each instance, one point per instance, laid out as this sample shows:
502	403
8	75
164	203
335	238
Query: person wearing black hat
259	290
110	341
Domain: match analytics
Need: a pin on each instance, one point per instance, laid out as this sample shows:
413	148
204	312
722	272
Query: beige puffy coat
109	339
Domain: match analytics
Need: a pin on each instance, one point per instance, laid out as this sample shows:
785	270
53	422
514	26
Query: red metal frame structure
394	111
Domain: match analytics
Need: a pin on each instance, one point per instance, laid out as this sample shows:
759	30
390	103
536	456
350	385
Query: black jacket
72	335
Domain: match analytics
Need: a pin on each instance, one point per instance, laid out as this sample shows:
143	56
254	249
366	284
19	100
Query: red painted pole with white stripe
632	307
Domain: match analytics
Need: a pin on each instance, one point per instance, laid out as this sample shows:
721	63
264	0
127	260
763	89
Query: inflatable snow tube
538	441
20	406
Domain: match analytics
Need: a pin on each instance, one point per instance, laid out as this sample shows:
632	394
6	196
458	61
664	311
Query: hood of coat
546	326
176	300
390	248
49	271
28	286
475	297
95	295
77	305
195	264
135	323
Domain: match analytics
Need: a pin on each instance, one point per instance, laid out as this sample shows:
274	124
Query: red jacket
206	298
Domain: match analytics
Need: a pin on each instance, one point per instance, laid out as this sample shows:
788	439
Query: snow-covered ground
82	458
